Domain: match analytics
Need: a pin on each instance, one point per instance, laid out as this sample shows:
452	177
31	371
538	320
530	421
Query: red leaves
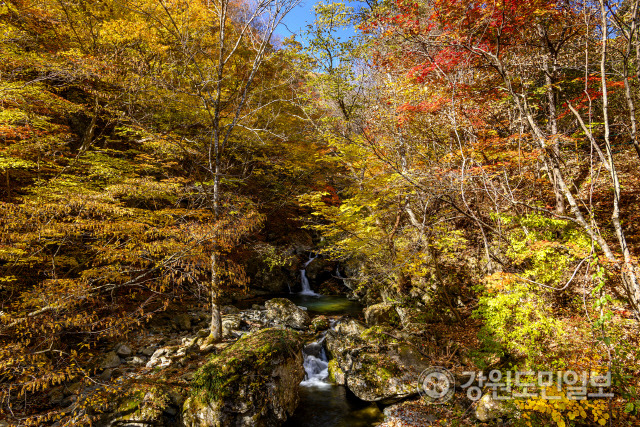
427	106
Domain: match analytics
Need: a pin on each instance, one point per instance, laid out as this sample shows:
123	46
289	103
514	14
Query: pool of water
333	406
315	304
326	304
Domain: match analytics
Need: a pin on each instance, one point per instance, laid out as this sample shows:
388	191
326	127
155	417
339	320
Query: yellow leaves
120	31
562	409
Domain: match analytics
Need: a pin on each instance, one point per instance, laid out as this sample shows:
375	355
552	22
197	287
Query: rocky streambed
288	363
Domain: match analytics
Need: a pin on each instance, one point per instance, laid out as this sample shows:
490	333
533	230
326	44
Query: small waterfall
316	365
306	288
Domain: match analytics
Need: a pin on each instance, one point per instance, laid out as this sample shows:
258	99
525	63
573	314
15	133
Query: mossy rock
377	364
254	382
336	375
154	405
320	323
382	314
282	311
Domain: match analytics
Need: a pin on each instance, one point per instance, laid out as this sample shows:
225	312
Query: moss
245	364
132	402
320	323
379	335
334	369
379	368
280	302
394	318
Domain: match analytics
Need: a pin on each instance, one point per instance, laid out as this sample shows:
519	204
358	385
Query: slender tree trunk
632	34
216	317
629	275
552	128
552	122
628	272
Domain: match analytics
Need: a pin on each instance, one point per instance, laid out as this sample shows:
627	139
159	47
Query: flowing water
323	404
306	288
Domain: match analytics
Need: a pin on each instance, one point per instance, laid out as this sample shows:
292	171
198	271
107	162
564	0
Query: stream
323	404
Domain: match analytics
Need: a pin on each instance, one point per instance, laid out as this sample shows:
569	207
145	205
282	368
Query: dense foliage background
479	160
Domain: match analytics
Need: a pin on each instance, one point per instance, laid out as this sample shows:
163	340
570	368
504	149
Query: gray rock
262	374
160	358
336	374
137	360
106	374
320	323
350	327
124	350
281	311
230	324
374	365
381	314
488	408
111	360
208	348
149	409
148	351
313	349
189	343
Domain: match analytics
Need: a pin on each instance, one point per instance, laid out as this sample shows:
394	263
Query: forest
463	175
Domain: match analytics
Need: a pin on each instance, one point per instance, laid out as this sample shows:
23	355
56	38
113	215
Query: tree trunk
629	276
216	317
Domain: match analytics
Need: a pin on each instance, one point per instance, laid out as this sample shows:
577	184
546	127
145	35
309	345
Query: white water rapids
316	365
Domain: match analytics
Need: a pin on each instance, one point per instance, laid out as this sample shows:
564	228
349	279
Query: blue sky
297	20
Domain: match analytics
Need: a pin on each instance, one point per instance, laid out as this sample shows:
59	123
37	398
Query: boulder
412	412
124	350
381	314
313	349
136	360
320	323
159	406
336	375
378	364
350	327
281	311
148	351
488	408
111	360
253	382
162	357
230	326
